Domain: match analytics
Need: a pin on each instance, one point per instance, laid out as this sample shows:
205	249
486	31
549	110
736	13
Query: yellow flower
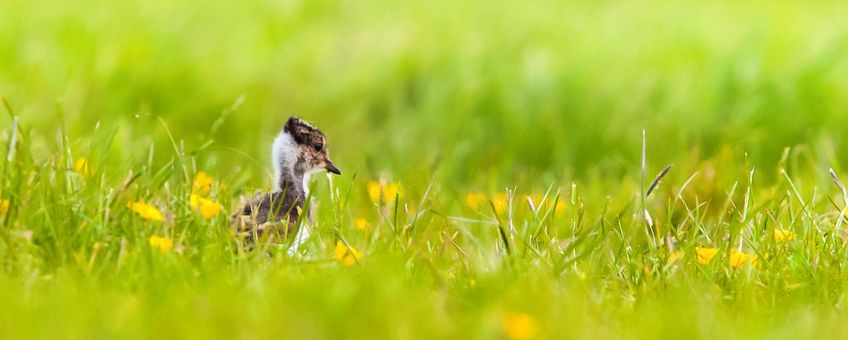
559	210
385	191
146	211
536	199
208	208
4	206
390	191
361	224
783	235
202	184
705	255
675	256
738	258
83	167
519	326
163	244
475	199
199	190
347	254
374	189
501	203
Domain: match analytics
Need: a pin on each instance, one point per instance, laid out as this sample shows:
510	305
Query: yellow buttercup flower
83	167
390	191
475	199
374	191
163	244
199	191
536	199
202	184
675	256
347	254
383	192
738	258
783	235
559	210
361	224
501	203
208	208
146	211
519	326
705	255
194	201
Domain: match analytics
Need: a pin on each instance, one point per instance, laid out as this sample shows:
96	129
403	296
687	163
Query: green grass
447	99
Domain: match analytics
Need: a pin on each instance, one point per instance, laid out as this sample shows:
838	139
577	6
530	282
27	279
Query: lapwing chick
299	151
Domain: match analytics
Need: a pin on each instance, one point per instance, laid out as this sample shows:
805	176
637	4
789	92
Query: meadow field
498	161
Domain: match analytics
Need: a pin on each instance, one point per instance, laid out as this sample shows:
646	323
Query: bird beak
331	168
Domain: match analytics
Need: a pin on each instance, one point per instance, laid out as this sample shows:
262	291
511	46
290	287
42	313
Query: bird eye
318	146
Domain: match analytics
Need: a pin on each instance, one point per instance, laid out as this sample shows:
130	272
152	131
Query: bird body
298	151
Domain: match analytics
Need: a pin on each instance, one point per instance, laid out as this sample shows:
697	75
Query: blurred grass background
550	88
479	95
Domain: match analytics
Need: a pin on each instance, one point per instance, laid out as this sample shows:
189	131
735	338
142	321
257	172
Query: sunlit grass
495	181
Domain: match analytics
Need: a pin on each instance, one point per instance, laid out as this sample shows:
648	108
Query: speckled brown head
312	153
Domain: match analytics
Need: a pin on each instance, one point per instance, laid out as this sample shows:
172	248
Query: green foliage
512	131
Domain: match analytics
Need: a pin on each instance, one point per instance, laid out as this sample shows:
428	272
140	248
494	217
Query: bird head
303	148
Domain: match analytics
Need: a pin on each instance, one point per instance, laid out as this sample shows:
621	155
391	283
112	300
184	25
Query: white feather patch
283	155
